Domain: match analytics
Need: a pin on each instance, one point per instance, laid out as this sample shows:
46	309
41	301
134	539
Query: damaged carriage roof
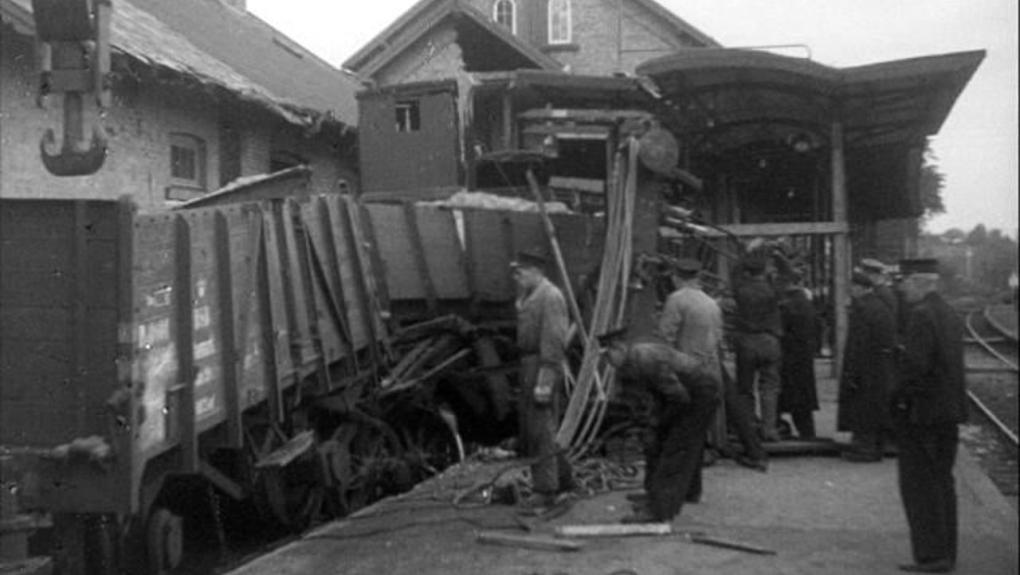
174	36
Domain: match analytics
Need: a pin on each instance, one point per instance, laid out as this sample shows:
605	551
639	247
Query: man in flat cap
692	322
542	325
685	400
929	403
758	330
869	373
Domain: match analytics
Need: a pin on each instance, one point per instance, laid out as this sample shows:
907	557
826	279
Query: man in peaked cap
880	275
929	403
869	373
542	325
692	322
685	400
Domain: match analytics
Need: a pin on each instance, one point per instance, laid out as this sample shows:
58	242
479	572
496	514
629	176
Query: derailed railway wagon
147	358
137	350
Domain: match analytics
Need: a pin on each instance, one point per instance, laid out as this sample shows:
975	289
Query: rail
1002	427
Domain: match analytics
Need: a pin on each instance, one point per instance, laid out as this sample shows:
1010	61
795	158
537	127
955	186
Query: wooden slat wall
473	261
59	267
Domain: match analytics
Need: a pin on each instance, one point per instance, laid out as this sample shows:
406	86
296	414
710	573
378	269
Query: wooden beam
227	333
840	246
781	229
540	542
186	372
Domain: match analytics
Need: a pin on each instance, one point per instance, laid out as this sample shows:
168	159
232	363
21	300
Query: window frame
512	4
553	9
197	146
410	122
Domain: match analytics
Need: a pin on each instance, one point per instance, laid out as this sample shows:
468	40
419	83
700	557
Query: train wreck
302	351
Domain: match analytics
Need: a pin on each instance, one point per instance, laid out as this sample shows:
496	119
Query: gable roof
423	17
254	62
426	14
682	26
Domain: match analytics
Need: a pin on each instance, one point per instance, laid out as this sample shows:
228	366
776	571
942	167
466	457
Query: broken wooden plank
614	530
730	544
540	542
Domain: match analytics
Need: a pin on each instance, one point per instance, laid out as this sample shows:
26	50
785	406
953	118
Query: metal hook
76	157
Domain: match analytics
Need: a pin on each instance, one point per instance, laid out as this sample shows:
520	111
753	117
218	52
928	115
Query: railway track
991	357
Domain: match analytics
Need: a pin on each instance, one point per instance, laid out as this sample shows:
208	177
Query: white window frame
554	9
513	13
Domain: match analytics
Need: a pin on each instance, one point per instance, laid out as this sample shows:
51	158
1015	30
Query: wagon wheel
353	456
291	496
164	540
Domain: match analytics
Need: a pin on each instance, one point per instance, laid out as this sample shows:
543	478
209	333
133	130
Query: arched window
559	21
504	12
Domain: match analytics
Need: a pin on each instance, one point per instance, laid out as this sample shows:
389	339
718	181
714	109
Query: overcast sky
976	148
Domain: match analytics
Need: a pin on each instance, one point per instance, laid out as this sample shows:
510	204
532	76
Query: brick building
193	108
442	38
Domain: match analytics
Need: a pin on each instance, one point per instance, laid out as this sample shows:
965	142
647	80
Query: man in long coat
869	373
685	401
929	403
798	394
542	325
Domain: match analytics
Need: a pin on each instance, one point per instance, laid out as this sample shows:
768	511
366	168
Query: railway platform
818	514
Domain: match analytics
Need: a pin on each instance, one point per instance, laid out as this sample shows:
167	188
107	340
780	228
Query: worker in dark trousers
685	401
758	327
869	373
798	394
542	325
692	322
929	403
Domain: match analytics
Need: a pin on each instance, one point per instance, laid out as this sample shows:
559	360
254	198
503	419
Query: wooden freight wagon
136	349
141	351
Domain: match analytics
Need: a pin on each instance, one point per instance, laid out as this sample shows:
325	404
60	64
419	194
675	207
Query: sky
976	149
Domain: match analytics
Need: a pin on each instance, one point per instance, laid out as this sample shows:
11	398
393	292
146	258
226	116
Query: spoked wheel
294	495
363	457
164	541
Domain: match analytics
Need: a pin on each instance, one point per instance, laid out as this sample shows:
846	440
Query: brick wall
608	36
139	125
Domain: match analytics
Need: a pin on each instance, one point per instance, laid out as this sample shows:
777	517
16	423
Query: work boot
769	413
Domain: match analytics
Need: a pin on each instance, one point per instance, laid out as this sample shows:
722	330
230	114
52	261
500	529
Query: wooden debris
657	529
729	544
614	530
541	542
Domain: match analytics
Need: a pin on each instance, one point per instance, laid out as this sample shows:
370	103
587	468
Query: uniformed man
881	281
758	329
542	325
929	402
692	322
685	401
869	372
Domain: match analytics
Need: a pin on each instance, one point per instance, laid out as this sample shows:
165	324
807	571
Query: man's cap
862	279
530	258
919	266
688	266
874	266
610	336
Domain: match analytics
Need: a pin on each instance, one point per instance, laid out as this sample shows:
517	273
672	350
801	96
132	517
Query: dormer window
504	12
559	22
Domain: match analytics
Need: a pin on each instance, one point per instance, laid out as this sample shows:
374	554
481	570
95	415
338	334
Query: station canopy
724	100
